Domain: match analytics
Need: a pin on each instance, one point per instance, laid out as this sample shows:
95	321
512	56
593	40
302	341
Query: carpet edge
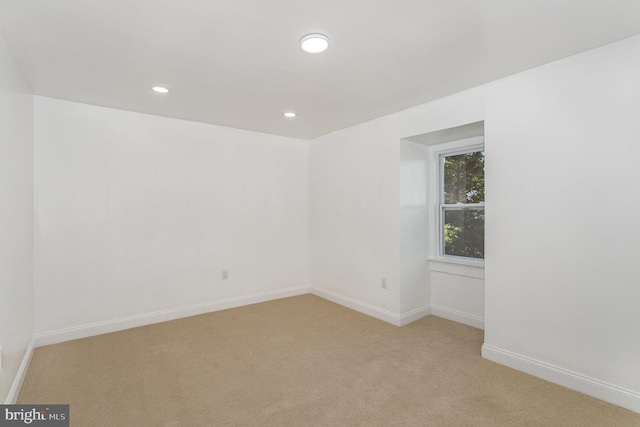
602	390
114	325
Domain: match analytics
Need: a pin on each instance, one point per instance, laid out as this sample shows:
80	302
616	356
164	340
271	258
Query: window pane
464	178
464	232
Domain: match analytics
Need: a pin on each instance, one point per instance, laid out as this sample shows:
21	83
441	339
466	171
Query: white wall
457	292
415	290
16	220
366	220
138	214
354	182
562	273
561	291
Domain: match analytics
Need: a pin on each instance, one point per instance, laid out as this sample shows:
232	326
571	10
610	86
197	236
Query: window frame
440	153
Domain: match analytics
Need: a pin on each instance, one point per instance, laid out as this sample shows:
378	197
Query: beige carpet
299	361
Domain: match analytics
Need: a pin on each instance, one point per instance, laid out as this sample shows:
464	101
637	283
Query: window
461	203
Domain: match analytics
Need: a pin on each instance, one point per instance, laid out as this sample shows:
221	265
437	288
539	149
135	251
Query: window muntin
462	204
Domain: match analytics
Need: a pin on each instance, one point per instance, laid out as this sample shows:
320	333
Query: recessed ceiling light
160	89
289	114
314	43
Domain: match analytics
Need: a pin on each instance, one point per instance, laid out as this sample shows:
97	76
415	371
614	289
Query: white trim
413	315
372	310
442	206
599	389
464	269
460	260
457	316
98	328
435	188
14	391
362	307
450	259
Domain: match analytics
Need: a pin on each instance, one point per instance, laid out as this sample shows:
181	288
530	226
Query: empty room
288	213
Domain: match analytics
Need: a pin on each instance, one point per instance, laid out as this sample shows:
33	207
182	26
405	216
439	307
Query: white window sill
459	260
458	267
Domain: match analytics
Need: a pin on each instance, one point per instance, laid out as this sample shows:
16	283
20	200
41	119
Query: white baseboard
362	307
371	310
599	389
575	381
98	328
14	391
414	315
457	316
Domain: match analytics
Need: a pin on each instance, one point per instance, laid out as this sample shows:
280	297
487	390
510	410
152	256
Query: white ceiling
238	63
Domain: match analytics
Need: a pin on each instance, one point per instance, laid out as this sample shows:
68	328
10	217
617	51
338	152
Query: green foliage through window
464	178
463	205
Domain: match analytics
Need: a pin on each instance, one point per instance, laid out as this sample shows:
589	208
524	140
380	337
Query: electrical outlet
383	283
225	274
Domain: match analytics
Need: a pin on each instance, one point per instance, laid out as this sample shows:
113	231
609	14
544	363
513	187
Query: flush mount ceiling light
160	89
289	114
314	43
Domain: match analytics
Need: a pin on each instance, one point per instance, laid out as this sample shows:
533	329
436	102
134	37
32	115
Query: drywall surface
562	272
367	211
561	268
415	291
457	292
16	219
354	180
139	213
